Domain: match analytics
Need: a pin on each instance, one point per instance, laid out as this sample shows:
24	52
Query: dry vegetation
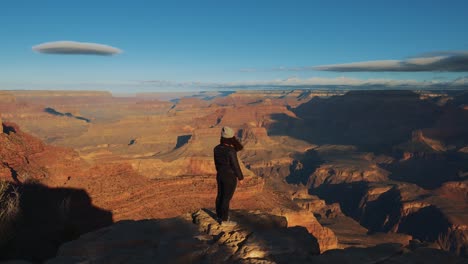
9	210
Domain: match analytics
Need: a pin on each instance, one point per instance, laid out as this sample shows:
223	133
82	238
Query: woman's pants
226	187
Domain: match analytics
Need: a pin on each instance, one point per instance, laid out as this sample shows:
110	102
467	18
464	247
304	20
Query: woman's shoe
228	223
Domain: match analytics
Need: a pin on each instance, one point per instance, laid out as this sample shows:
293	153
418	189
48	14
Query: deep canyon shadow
8	129
374	121
348	195
303	166
389	123
54	112
430	170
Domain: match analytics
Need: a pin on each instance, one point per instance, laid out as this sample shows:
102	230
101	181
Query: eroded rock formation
405	208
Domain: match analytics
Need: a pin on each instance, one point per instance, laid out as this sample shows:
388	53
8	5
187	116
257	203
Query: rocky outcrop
447	226
347	172
456	191
464	149
255	237
197	238
345	232
315	205
406	208
24	157
436	145
324	235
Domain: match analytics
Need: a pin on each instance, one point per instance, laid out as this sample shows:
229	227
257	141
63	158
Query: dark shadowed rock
146	241
49	217
387	253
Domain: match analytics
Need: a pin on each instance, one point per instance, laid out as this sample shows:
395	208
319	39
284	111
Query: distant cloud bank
315	82
438	61
443	61
318	83
76	48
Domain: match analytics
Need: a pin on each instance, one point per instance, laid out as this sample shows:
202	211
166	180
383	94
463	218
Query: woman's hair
233	142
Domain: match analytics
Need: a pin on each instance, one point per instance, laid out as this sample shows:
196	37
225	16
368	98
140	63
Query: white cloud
446	61
76	48
439	61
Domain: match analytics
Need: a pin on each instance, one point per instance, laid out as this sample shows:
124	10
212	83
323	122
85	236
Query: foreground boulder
326	238
258	238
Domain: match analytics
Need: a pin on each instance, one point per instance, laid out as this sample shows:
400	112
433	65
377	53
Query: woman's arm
235	165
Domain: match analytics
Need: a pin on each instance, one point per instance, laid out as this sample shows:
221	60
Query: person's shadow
210	213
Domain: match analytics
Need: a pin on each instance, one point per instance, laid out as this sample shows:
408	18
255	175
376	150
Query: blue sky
221	41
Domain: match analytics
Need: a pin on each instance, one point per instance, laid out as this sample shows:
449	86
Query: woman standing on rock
228	173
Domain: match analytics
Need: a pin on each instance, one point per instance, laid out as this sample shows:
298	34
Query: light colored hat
227	132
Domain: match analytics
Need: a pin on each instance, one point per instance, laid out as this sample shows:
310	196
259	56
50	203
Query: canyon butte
330	177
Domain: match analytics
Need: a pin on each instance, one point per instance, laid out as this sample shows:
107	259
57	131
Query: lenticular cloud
447	61
76	48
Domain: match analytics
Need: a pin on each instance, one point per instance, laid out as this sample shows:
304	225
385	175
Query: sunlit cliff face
375	161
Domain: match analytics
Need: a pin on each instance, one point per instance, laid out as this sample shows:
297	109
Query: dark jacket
226	162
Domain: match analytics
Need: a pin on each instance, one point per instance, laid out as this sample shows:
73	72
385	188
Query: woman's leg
219	196
229	184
